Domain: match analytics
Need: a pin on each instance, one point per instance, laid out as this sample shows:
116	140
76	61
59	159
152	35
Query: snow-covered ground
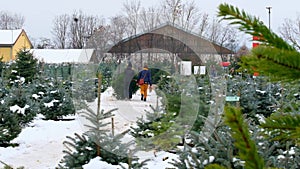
40	144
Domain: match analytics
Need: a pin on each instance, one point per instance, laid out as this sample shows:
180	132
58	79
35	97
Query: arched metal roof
186	44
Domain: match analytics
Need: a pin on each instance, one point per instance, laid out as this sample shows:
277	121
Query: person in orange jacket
146	75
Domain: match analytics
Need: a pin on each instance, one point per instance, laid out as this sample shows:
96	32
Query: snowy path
41	144
127	111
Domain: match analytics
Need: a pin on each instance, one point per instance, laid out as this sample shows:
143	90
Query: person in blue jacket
146	75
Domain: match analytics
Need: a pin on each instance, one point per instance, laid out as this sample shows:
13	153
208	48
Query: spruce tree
98	141
25	66
57	103
9	125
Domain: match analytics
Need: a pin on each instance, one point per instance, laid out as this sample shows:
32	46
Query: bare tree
149	18
99	41
11	21
117	29
60	29
224	36
76	29
82	27
203	24
132	11
214	29
45	43
290	31
186	14
171	10
189	16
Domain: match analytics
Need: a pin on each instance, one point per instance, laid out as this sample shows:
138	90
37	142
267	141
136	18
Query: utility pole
269	9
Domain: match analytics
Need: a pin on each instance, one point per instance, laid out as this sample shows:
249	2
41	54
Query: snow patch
19	109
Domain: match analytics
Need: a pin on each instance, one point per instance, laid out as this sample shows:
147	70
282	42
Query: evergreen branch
253	26
195	159
283	127
286	58
214	166
6	165
67	144
81	138
240	132
275	71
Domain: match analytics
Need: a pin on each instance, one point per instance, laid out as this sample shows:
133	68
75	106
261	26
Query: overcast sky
39	14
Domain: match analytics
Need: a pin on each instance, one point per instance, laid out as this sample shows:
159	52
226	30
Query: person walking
145	77
128	87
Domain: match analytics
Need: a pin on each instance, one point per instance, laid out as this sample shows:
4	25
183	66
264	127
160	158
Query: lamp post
232	43
269	9
76	33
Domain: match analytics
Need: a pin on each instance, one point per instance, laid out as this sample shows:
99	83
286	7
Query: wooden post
238	102
129	159
112	126
99	75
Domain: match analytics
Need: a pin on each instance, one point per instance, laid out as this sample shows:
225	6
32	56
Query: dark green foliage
87	90
144	127
17	109
283	127
9	125
282	59
262	56
176	102
97	141
220	149
25	66
156	131
204	101
257	95
214	166
81	150
240	132
289	59
57	102
2	65
199	152
58	72
164	128
119	86
252	25
20	96
107	70
156	75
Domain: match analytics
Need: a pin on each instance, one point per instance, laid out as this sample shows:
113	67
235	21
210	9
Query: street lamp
269	9
76	33
232	43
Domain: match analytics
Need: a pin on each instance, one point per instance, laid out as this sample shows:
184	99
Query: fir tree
9	125
20	97
25	66
282	58
98	141
57	102
283	61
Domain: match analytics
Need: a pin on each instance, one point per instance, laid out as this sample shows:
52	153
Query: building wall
10	53
21	43
5	52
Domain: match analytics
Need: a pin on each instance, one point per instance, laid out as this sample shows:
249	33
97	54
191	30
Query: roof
198	43
63	55
187	45
9	37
